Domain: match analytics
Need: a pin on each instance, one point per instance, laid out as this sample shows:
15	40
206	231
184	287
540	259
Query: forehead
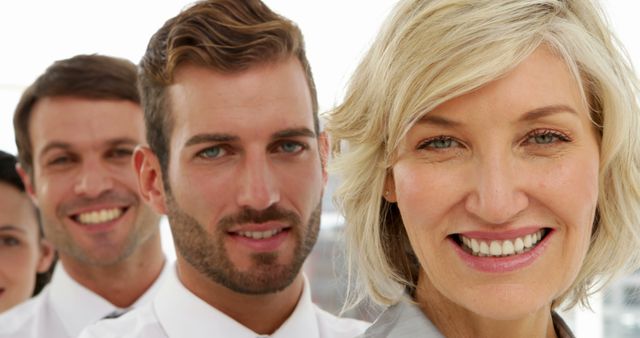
541	80
80	122
262	99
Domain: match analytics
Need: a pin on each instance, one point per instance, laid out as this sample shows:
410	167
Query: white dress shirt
175	312
63	309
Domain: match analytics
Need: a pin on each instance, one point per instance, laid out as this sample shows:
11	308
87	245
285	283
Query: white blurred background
35	33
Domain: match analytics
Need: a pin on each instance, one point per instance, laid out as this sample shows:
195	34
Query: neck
447	316
262	314
124	282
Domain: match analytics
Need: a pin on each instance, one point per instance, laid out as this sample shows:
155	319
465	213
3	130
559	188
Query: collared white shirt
63	309
177	313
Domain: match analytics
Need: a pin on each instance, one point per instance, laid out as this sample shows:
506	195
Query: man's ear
28	183
323	148
47	254
389	193
150	184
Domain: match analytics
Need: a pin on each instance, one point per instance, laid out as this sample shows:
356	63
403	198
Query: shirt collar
78	306
175	305
404	319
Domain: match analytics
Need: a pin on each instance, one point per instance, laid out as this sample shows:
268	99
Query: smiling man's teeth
500	248
260	234
99	216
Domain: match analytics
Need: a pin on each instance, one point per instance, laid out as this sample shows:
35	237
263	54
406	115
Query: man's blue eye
212	152
121	153
290	147
59	160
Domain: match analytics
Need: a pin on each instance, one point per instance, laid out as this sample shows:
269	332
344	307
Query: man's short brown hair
225	35
85	76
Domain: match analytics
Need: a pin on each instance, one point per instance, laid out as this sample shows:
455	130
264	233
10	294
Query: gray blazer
406	320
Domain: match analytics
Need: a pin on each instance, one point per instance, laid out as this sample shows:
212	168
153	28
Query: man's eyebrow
9	227
54	145
221	137
123	141
546	111
294	132
210	138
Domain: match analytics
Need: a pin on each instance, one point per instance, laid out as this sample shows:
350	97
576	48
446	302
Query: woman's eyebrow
438	121
546	111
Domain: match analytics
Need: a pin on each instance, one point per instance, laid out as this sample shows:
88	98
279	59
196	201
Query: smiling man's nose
93	180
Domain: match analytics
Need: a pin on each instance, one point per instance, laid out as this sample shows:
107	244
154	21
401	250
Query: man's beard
206	251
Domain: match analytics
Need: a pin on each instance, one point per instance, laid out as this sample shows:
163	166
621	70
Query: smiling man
76	128
237	162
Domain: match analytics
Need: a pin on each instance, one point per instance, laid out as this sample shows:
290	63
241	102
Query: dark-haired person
237	162
76	128
25	256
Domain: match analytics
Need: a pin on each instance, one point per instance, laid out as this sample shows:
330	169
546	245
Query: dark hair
86	76
225	35
9	175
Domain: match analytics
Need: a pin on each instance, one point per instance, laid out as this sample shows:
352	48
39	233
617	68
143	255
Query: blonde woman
490	166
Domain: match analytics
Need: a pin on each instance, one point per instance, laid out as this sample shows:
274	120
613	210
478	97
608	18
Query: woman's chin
506	303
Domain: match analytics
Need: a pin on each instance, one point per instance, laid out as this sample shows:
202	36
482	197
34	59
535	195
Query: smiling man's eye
59	160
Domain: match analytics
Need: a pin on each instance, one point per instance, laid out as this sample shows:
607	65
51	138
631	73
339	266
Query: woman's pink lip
502	264
502	235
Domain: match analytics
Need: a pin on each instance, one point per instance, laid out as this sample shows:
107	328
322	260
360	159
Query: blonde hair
430	51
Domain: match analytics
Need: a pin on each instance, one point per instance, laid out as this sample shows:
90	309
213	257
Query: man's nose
93	179
258	186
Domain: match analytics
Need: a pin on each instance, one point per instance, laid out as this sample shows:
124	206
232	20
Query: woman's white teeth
498	248
260	234
99	216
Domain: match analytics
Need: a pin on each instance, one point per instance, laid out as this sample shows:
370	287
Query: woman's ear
47	254
389	193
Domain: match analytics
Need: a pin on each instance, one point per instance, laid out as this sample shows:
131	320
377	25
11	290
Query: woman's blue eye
547	137
9	241
439	143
